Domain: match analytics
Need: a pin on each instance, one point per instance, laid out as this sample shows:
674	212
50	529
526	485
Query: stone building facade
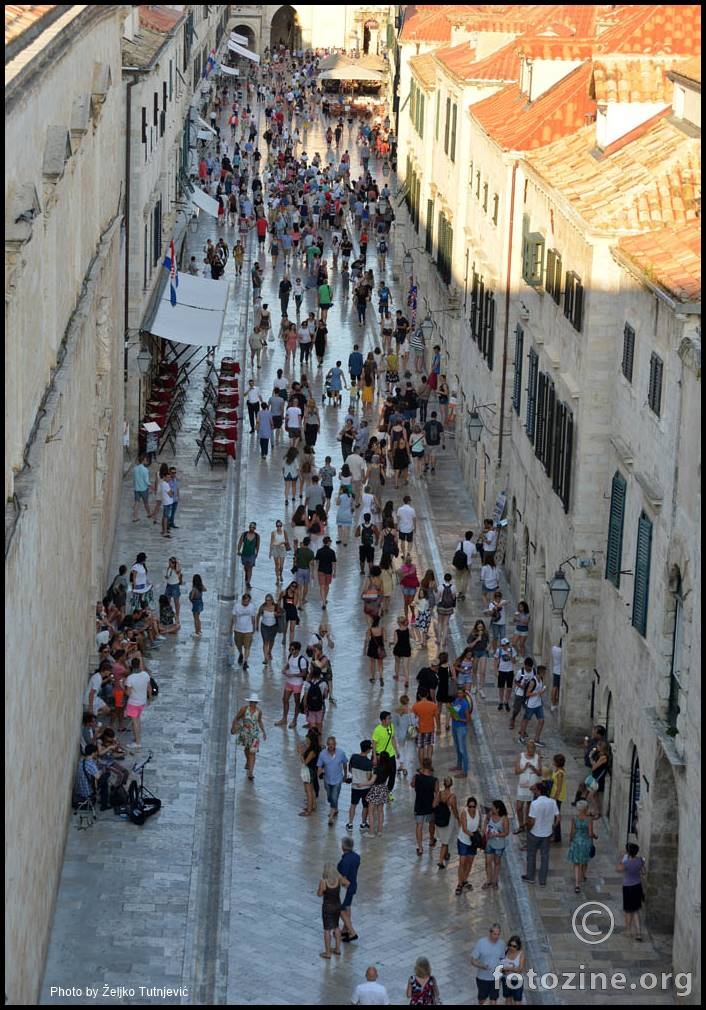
64	186
308	26
164	54
576	265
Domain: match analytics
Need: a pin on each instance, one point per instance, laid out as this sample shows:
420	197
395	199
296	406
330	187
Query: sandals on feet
459	889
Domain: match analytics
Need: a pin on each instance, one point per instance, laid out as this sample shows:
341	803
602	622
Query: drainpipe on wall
506	332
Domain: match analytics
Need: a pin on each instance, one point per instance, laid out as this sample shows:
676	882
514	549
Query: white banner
205	202
206	126
231	71
241	39
234	47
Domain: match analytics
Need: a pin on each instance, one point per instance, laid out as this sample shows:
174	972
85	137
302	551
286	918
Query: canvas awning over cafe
342	68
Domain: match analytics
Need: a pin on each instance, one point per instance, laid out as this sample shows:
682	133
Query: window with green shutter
447	126
452	143
532	394
429	233
517	381
437	115
642	574
628	351
573	300
654	390
616	520
553	281
533	259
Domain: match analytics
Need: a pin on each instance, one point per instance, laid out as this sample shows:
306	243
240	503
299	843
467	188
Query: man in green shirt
384	742
303	558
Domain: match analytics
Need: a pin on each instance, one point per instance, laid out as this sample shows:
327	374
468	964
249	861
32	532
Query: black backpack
448	599
155	687
367	536
460	558
389	546
315	697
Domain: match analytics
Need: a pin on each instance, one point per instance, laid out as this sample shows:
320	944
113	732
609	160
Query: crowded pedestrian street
220	893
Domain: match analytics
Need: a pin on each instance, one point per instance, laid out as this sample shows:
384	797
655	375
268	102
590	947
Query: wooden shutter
549	432
517	381
628	351
565	493
144	125
541	416
531	417
654	392
490	330
642	574
616	521
577	318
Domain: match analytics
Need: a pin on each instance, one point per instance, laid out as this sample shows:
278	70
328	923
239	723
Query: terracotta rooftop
424	70
517	125
460	61
655	29
690	69
20	17
652	181
520	18
544	47
629	80
159	19
428	24
670	257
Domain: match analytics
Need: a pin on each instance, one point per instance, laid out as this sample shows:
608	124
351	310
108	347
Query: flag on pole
171	265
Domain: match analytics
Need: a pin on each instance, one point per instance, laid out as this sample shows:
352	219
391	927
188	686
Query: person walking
242	627
295	671
362	778
247	727
632	866
268	620
422	987
542	819
468	842
486	955
264	428
529	768
196	599
375	650
333	769
461	563
248	549
279	545
534	709
445	608
581	844
460	711
426	796
141	488
385	742
348	867
252	400
513	967
325	559
497	832
371	992
402	650
445	819
558	789
330	890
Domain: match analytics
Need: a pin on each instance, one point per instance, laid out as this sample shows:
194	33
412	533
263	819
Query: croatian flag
171	265
210	64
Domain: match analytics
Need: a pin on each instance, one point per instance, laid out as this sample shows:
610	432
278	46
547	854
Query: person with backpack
295	671
369	538
445	608
461	563
313	697
434	435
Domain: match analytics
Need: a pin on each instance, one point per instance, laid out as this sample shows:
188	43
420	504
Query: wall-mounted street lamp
475	426
144	362
559	590
408	264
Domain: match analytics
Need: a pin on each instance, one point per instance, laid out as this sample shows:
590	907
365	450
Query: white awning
204	135
242	39
231	71
205	202
197	318
234	47
206	126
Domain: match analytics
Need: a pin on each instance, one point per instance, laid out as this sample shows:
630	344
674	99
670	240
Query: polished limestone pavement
218	893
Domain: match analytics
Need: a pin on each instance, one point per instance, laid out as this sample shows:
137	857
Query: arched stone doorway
249	34
664	847
634	794
371	35
285	28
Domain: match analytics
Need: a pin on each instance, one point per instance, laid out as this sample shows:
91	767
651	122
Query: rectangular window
553	282
145	258
477	185
444	249
616	520
412	100
628	351
144	125
485	197
429	233
641	593
477	289
165	89
157	232
573	300
517	380
496	206
171	79
447	126
420	126
155	117
533	259
531	417
563	458
654	391
487	335
454	116
437	115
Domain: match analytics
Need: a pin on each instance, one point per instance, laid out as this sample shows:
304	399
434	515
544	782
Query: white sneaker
552	708
482	693
160	638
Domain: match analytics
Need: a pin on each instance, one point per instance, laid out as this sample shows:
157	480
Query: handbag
478	840
304	773
592	851
281	623
591	783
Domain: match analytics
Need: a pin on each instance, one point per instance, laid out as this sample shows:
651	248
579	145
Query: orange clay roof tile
424	69
617	79
158	19
655	29
653	180
20	17
670	257
517	125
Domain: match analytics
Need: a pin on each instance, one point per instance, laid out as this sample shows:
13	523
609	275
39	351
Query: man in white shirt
490	541
293	422
406	520
242	625
543	818
505	658
462	574
253	398
357	467
371	992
